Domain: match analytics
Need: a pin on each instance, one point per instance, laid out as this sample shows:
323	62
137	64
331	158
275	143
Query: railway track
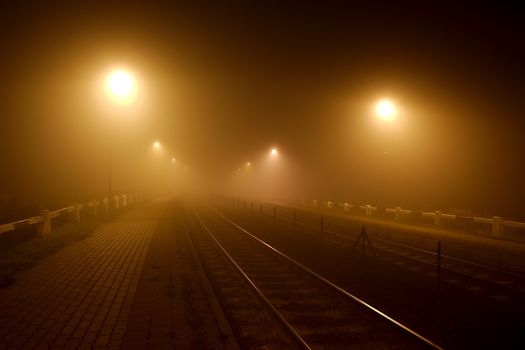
507	282
274	302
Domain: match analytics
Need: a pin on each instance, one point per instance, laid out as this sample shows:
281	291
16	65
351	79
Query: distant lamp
173	160
156	145
386	110
248	164
274	152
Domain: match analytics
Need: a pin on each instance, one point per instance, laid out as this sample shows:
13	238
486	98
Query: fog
219	87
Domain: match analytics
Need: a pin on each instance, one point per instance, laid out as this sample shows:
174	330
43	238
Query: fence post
76	213
437	218
497	226
363	246
124	200
398	213
45	225
438	278
95	208
117	202
321	240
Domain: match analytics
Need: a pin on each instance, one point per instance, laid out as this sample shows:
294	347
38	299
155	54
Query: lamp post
120	88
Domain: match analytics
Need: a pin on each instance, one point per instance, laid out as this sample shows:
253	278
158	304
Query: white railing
497	223
44	219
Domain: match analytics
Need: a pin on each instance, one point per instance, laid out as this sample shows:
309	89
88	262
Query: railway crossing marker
365	240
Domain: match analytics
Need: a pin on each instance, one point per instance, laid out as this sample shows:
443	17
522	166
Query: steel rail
334	286
295	335
422	251
228	335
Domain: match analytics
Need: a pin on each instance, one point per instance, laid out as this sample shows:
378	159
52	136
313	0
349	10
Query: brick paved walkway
80	297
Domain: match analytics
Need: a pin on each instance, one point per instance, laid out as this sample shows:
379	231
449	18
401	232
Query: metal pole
321	241
363	244
110	156
438	267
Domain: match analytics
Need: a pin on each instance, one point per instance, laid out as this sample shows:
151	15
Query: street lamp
386	110
120	87
274	152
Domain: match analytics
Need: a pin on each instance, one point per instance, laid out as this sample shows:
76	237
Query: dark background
222	82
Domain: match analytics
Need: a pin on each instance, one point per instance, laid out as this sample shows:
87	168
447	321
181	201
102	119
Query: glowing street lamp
386	110
120	87
274	152
156	145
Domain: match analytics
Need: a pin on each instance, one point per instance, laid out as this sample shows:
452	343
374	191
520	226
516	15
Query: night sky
222	83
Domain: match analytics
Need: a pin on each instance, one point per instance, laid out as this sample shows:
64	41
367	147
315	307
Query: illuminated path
94	293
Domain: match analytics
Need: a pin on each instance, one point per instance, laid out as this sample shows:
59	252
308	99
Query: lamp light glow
120	85
386	110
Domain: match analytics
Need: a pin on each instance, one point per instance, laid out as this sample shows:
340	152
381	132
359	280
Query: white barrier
368	209
44	219
497	223
398	211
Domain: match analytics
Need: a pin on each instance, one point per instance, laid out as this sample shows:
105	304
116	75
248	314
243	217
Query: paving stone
82	287
118	288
